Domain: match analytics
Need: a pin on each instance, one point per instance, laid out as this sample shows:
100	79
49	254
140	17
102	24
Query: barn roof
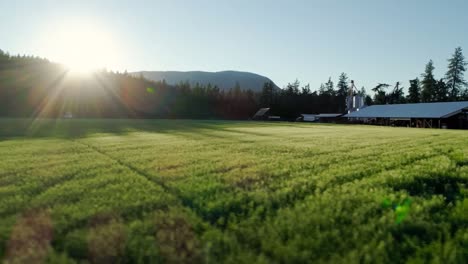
422	110
262	112
328	115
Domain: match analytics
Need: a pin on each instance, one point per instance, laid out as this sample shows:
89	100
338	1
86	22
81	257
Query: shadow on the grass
79	128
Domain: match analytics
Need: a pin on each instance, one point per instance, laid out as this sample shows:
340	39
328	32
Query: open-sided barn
328	118
428	115
308	118
322	118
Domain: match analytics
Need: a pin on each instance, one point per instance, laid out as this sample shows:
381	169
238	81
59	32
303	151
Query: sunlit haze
372	41
81	46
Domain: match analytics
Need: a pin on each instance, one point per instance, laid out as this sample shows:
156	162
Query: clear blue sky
371	40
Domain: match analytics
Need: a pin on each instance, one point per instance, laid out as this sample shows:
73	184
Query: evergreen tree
236	90
428	83
305	90
464	96
330	87
414	91
293	88
4	59
380	96
367	98
342	86
362	92
442	91
454	76
322	89
296	86
397	96
266	97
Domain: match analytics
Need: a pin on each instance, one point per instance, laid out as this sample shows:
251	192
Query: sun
82	47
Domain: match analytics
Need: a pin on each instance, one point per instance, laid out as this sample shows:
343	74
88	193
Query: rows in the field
75	199
137	160
170	166
43	170
249	224
207	182
205	169
189	148
378	184
75	191
326	217
320	247
301	187
74	202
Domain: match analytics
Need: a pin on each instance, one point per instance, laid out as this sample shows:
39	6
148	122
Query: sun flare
83	48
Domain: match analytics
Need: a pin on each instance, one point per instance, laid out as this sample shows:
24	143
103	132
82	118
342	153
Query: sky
373	41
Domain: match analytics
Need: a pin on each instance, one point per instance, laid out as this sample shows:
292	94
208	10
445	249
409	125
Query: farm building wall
452	115
458	121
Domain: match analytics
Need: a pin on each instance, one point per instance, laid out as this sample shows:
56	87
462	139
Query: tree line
35	87
294	99
452	87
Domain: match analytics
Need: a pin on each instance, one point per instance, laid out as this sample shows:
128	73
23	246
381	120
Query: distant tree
454	76
464	96
293	88
428	83
441	93
266	97
330	87
4	59
342	85
295	85
380	96
322	89
367	98
236	90
414	91
362	92
305	90
397	96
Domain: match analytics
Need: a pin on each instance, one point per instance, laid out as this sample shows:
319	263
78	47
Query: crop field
181	191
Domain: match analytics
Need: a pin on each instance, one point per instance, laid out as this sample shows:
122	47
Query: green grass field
238	192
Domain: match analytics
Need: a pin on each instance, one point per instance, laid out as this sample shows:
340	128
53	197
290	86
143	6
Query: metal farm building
425	115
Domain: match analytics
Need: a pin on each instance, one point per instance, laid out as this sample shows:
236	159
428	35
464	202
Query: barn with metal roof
322	118
441	114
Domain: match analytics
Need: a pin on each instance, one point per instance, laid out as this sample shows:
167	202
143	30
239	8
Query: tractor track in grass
264	194
287	201
147	176
134	169
184	202
40	190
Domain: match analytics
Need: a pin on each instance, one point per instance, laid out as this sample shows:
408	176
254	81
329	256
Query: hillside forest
36	87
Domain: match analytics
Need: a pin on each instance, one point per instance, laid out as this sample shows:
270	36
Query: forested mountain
34	87
225	80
